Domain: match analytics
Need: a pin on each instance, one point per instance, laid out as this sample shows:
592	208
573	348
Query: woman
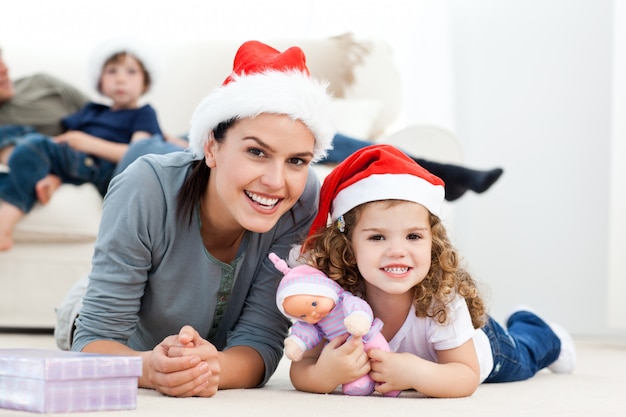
180	271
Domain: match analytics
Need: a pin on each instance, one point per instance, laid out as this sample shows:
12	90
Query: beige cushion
72	215
356	117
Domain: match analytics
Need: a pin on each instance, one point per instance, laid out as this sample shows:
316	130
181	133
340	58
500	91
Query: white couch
54	243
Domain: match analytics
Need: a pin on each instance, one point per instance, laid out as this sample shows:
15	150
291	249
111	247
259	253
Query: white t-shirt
422	336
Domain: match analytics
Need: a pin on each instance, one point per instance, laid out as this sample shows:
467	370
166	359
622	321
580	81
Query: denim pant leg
27	166
343	146
154	144
37	156
528	346
13	134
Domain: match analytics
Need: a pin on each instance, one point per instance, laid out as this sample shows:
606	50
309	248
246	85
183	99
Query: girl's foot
566	361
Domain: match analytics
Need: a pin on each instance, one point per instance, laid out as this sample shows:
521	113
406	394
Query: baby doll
322	310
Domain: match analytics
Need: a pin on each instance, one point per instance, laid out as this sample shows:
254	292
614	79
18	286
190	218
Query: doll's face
308	308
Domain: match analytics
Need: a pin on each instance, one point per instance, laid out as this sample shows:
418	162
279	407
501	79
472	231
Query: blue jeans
527	346
12	134
36	156
344	146
154	144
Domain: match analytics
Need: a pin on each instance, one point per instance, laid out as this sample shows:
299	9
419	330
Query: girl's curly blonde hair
330	251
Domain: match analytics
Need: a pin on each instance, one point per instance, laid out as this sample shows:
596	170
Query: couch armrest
427	142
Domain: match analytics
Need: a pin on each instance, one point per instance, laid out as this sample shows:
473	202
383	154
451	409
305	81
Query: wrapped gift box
50	381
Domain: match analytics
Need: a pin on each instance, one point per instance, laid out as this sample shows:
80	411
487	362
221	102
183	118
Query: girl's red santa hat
373	173
265	80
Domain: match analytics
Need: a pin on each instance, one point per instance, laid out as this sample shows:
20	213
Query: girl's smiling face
392	244
258	172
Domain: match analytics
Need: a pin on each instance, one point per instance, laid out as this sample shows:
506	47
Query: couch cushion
72	215
191	69
356	117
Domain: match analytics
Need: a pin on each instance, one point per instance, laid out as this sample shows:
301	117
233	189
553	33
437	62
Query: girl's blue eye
413	236
377	237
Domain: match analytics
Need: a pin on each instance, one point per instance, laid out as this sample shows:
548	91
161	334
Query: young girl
387	245
95	139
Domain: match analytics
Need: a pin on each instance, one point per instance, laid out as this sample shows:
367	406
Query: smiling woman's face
258	171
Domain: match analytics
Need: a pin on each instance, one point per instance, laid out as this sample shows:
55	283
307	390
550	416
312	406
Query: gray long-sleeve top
151	273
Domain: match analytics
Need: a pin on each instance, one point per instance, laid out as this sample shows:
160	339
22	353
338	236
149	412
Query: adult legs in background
154	144
457	179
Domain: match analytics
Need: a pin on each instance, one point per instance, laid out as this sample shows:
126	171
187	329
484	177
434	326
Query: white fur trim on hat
406	187
291	93
110	47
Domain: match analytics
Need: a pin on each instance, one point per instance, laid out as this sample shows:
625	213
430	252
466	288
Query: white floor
597	388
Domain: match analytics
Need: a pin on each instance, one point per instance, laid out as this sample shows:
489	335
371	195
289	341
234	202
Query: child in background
96	138
387	245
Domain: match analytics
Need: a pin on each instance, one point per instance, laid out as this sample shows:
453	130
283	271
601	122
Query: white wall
415	29
526	84
616	310
534	94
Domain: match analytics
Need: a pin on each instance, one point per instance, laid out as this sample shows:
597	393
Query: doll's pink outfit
304	279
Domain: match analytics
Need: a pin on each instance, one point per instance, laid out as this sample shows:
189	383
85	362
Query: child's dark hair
330	250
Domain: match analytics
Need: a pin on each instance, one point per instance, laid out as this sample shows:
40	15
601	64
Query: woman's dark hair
195	184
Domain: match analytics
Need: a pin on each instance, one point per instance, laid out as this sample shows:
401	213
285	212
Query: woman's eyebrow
262	144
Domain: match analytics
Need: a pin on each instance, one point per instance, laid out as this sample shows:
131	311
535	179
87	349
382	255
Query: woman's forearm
241	367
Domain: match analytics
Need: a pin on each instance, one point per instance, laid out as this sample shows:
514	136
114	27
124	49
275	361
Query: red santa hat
376	172
106	49
265	80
